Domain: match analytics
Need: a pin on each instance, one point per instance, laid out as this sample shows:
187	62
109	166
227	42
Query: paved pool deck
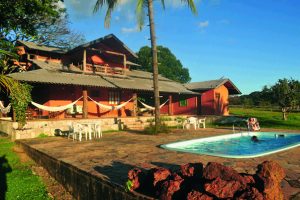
114	154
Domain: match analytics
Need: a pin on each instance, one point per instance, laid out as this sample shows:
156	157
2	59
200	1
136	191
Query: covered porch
99	102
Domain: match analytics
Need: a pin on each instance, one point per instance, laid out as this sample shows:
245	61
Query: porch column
134	98
196	105
170	105
85	103
84	61
14	119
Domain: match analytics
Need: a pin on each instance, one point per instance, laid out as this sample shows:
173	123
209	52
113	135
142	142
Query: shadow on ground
4	169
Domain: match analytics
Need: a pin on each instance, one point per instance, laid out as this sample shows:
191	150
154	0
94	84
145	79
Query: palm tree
6	83
141	6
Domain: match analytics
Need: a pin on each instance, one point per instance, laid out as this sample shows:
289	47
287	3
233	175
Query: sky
253	43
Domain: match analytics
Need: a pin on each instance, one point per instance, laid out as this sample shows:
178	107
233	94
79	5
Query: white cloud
178	3
81	8
125	8
203	24
130	30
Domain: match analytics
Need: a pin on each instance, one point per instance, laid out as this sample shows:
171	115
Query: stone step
134	126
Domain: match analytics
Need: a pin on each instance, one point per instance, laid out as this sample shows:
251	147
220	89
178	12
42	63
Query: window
113	97
95	93
183	102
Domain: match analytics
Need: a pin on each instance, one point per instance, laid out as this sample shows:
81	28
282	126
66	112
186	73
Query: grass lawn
269	119
18	177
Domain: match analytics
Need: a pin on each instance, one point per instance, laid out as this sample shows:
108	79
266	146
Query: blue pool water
238	145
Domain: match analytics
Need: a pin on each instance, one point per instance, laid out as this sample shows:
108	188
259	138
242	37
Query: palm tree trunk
154	63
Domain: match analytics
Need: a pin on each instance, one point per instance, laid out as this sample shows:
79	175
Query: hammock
3	109
55	109
150	107
106	107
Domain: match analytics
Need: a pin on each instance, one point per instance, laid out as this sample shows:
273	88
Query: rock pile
193	181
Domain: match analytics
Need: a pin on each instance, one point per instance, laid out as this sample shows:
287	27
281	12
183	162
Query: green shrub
20	97
162	119
163	128
42	135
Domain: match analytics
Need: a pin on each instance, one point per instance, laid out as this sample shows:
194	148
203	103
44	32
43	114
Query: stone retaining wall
79	183
47	127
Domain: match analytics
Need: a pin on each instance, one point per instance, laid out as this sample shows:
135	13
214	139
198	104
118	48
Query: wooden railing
105	69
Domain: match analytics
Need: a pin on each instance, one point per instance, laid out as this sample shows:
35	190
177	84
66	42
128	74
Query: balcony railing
105	69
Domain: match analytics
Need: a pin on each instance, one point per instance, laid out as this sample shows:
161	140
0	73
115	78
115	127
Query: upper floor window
113	97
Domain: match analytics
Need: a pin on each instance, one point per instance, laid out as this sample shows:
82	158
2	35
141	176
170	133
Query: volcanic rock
251	193
196	195
222	189
137	177
270	175
192	170
170	187
159	174
215	170
271	170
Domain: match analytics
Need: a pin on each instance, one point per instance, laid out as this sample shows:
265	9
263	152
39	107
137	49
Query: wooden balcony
104	69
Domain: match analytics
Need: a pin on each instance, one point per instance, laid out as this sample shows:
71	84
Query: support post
170	105
84	60
124	61
85	103
134	98
196	105
14	118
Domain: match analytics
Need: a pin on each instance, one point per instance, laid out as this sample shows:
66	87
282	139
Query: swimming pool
238	145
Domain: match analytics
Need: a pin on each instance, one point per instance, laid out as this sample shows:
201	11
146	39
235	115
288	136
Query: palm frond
111	4
191	5
163	4
7	53
140	13
98	5
7	83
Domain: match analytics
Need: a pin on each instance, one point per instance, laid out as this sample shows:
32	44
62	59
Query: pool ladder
233	129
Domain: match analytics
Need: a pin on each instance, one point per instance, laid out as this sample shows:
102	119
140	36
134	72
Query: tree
19	93
286	93
141	7
41	22
57	34
169	65
24	20
19	18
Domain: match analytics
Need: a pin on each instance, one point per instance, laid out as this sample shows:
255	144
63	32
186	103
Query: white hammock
152	108
106	107
55	109
3	109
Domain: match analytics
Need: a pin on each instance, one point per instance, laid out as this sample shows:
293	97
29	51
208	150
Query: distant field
269	119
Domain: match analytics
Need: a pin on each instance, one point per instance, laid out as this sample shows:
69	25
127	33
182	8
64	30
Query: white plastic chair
201	121
190	121
80	130
71	131
97	130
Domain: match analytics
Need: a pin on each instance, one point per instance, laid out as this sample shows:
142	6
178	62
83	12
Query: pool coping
233	135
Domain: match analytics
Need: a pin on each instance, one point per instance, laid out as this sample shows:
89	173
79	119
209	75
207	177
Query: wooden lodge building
101	70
